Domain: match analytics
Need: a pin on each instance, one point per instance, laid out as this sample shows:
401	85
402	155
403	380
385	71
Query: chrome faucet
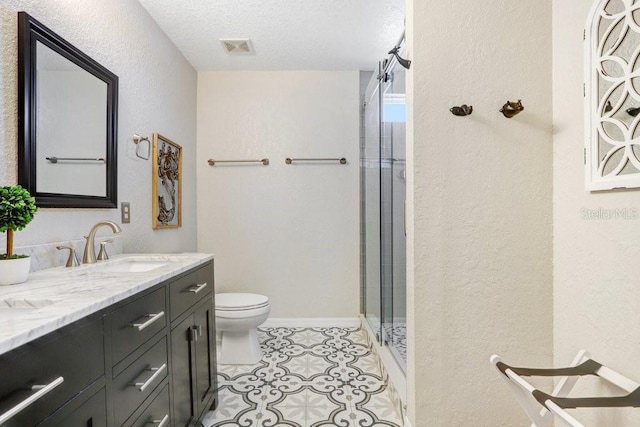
89	256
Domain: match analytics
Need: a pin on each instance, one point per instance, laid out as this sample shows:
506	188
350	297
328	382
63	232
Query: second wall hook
463	110
510	109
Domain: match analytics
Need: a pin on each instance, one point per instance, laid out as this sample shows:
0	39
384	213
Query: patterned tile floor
308	377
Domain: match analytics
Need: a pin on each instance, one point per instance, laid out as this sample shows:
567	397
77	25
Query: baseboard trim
312	322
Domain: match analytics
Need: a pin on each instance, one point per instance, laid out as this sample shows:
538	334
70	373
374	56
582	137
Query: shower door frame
372	91
376	320
390	294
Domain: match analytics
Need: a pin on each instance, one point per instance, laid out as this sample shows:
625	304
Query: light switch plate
125	212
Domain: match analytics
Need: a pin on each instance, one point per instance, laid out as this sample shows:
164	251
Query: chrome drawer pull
156	373
197	288
152	318
42	390
161	423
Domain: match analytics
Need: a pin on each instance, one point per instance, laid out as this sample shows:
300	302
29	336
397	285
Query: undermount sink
12	307
129	266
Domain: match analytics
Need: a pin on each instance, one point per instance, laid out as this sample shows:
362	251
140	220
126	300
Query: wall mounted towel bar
213	162
75	159
342	160
143	151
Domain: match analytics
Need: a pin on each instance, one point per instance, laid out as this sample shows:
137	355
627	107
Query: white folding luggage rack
541	407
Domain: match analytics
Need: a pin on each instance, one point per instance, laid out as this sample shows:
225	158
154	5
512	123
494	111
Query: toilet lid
238	301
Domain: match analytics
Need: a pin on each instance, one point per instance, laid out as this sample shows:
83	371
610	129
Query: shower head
404	62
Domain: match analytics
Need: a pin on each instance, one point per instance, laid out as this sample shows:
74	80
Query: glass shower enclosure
383	174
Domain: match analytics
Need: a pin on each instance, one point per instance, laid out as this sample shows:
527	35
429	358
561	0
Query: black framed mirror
68	109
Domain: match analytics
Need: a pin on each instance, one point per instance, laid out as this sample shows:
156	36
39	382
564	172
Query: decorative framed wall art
166	183
612	95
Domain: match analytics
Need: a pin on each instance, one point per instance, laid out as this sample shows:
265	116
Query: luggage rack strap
588	367
631	400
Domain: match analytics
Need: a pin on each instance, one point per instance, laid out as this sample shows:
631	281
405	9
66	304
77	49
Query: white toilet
237	319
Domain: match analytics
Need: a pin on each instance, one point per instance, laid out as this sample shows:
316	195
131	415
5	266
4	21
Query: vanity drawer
190	289
136	322
138	380
92	412
65	362
157	413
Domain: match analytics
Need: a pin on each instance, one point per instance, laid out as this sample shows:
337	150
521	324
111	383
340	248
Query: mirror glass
71	127
68	120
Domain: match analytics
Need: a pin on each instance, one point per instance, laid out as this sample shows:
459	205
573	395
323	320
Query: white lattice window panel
612	95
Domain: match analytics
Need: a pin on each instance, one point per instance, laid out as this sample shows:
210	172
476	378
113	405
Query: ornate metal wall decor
167	183
612	88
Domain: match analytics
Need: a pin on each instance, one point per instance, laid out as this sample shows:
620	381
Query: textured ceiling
286	34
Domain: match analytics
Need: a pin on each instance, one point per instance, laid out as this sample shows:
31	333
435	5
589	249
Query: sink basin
129	266
13	307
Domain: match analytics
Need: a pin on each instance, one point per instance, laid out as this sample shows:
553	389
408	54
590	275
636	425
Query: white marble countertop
53	298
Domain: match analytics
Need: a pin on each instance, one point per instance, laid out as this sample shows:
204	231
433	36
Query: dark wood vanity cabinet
147	360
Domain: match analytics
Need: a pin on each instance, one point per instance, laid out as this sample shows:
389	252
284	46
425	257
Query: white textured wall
287	231
595	261
157	93
480	203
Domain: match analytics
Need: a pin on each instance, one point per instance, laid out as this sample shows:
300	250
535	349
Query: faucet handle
72	260
103	255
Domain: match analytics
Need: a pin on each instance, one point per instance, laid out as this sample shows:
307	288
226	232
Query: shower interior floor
308	377
398	340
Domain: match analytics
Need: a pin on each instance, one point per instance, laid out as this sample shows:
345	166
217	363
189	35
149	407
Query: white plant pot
14	271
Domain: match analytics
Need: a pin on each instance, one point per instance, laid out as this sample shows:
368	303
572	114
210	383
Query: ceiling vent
237	46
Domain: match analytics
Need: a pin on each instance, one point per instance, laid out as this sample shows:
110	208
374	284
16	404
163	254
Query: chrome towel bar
342	160
75	159
213	162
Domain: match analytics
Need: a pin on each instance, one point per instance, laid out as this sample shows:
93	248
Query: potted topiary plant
17	208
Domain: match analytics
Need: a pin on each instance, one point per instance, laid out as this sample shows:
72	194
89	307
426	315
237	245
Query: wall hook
137	139
404	62
510	109
463	110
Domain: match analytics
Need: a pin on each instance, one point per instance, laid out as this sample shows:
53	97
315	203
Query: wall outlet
125	212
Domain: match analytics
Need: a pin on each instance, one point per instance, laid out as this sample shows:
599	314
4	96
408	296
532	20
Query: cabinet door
205	356
183	363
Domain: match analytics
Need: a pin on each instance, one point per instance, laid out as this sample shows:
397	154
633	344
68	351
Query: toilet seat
240	302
